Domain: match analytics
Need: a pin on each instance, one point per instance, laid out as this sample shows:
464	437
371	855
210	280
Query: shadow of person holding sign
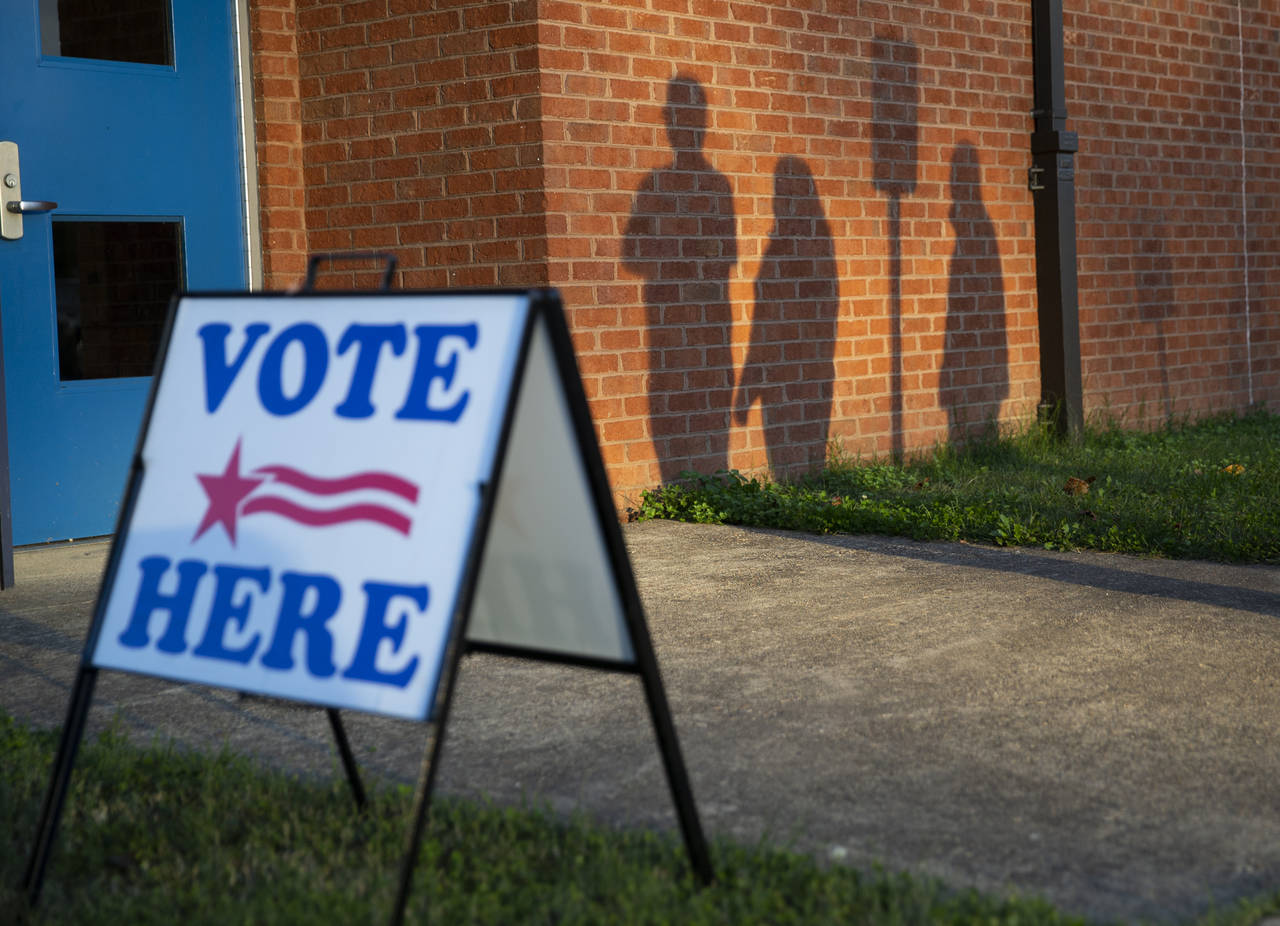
681	239
973	380
789	368
895	133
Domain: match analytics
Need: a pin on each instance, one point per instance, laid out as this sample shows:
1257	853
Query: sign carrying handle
314	261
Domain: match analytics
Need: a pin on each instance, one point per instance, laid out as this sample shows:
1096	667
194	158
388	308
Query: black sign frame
545	310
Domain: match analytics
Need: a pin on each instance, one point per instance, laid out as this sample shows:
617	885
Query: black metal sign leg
55	797
677	776
348	758
421	812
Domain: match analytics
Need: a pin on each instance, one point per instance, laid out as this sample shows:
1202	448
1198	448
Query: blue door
125	115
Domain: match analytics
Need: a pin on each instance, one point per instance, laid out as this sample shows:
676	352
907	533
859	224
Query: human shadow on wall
681	239
895	132
789	367
974	378
1155	297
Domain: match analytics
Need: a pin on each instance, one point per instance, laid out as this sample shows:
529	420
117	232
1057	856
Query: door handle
15	207
30	206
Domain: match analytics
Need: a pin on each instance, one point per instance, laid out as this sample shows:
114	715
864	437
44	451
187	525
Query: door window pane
109	30
113	283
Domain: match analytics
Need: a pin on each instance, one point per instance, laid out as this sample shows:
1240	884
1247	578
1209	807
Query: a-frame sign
336	495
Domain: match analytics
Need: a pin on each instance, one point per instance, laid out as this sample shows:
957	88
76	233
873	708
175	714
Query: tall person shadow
681	239
789	367
974	378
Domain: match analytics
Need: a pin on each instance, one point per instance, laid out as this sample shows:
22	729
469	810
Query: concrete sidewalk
1096	729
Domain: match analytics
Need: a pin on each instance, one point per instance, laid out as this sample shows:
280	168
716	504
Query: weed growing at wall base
1208	490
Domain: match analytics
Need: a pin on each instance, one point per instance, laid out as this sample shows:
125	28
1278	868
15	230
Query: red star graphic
225	492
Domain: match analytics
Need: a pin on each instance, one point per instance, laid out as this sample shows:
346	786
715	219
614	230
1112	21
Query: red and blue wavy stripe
325	517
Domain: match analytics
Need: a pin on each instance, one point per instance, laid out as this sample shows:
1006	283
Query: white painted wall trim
248	146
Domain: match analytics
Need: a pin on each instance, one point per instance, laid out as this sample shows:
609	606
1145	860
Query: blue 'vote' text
370	344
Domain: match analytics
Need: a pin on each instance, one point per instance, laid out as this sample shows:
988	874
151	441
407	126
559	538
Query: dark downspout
1052	183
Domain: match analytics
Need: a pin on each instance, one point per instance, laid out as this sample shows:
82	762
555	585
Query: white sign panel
312	472
546	582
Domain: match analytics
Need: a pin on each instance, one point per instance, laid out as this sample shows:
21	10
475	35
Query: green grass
159	835
1206	491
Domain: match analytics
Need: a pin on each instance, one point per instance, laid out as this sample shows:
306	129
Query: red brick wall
1261	110
421	136
278	116
841	183
1177	189
779	225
